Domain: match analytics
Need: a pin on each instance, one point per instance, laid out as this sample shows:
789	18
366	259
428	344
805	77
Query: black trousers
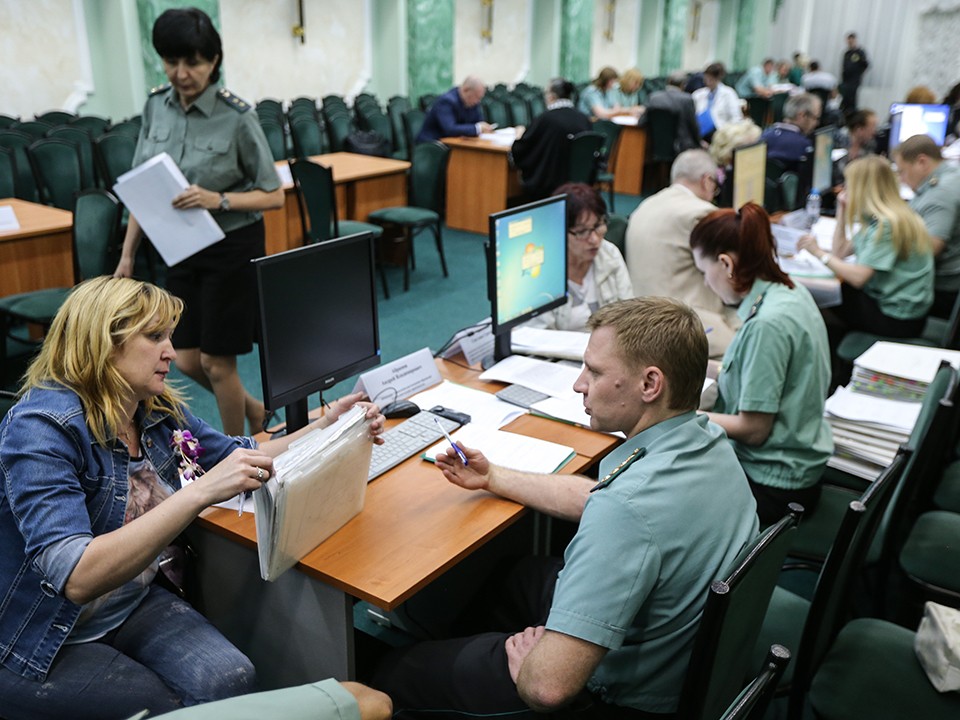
469	676
772	502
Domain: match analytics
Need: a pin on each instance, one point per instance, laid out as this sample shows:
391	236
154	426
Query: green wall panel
743	47
429	46
674	29
148	11
576	33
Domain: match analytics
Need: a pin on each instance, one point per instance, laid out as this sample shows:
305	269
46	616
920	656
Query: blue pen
463	458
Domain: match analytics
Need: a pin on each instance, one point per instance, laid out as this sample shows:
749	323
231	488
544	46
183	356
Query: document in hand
317	485
148	191
517	452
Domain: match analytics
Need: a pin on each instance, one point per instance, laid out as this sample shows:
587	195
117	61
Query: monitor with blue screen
526	265
907	120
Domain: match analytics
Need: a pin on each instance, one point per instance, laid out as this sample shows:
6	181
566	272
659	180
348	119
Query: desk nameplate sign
400	379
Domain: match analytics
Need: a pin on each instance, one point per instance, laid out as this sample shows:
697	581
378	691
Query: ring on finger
260	474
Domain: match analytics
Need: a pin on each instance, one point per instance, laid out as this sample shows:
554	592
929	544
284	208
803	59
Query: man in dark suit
855	64
456	113
680	104
542	152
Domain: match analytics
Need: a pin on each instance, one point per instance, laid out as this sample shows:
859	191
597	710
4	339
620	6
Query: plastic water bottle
813	208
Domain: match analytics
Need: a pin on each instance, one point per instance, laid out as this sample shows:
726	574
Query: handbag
367	142
937	645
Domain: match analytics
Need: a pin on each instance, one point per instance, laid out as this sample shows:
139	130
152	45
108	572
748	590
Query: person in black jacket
855	64
542	152
680	103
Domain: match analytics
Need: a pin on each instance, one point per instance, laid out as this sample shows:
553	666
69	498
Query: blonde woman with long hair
889	288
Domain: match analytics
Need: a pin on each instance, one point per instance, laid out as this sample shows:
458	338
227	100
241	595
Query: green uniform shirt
649	544
779	363
902	288
324	700
937	201
626	100
216	143
591	96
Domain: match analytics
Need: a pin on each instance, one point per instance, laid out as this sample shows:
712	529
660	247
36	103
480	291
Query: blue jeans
164	656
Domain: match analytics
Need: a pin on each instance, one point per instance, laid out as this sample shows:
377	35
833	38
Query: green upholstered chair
379	123
270	109
427	100
276	138
584	163
661	144
18	142
34	128
84	142
96	229
758	110
427	192
395	113
316	197
400	101
56	117
617	232
332	102
495	111
8	173
809	627
412	123
731	622
307	136
8	121
777	102
753	701
518	110
339	126
57	170
93	124
608	155
113	153
536	105
127	127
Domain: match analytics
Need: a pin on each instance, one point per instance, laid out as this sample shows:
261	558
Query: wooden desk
38	255
479	181
629	159
414	527
363	183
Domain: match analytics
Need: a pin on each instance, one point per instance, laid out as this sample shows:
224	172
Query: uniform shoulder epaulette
619	469
232	100
159	89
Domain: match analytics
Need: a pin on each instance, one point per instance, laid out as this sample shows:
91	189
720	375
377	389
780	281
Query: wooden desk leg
631	153
478	182
295	630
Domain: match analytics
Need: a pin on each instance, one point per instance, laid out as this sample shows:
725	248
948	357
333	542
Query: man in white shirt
818	79
719	100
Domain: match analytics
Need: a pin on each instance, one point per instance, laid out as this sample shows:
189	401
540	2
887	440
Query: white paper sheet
510	450
913	362
858	407
8	219
553	379
565	344
483	408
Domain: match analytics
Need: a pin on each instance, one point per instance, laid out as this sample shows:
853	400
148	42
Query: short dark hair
913	147
581	198
814	65
859	118
747	233
560	88
185	33
716	70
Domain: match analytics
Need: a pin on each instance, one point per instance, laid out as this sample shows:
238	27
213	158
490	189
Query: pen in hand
463	458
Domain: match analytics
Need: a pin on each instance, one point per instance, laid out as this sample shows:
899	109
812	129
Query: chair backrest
57	170
276	139
84	142
776	106
731	621
93	124
536	105
412	123
379	123
7	121
56	117
34	128
17	141
127	127
114	155
317	200
96	233
831	598
333	102
402	102
270	109
428	176
495	111
584	157
395	113
307	136
752	703
662	125
8	173
951	331
339	126
611	136
789	183
519	112
617	232
426	100
758	108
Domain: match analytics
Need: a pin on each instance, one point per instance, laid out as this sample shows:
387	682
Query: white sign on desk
400	379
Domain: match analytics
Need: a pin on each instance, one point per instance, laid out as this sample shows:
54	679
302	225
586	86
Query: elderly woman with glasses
596	272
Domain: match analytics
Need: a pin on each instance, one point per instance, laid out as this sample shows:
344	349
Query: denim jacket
58	482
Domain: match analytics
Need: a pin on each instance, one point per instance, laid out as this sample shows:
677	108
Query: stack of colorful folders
873	415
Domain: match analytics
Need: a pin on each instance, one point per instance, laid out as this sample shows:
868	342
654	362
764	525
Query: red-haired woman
776	372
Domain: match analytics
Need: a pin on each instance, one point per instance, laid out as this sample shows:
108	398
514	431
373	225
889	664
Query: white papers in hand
148	191
554	379
509	450
483	408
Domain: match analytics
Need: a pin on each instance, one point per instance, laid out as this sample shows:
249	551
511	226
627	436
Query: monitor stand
296	413
501	350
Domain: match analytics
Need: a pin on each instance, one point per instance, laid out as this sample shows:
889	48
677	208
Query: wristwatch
826	258
224	203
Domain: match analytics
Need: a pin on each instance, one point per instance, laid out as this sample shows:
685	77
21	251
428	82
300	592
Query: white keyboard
521	395
406	440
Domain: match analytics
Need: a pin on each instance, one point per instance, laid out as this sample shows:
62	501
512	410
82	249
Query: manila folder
318	485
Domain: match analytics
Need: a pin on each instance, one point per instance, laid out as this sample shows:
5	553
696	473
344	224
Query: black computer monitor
526	265
907	120
822	175
318	320
749	174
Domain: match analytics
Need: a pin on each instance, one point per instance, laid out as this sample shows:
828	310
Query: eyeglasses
717	183
584	232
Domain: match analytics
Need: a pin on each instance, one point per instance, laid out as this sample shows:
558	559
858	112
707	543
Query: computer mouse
400	409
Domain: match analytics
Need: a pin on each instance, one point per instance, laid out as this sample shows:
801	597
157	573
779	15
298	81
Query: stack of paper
555	379
899	371
509	450
317	485
565	344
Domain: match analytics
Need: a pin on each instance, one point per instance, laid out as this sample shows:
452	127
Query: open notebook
517	452
318	484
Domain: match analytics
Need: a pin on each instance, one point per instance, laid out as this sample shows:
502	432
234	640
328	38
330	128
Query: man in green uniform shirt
612	629
937	201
